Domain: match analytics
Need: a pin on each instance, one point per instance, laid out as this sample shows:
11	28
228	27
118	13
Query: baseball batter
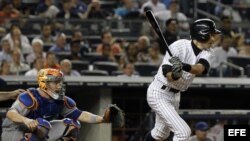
190	58
36	114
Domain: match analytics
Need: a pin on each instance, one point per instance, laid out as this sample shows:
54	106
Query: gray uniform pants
14	134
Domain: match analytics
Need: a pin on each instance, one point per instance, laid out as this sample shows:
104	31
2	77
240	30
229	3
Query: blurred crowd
203	132
25	54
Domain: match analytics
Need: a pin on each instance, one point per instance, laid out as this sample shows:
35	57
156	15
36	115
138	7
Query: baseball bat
156	27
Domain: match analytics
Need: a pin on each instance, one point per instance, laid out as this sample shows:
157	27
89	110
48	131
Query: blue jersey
46	108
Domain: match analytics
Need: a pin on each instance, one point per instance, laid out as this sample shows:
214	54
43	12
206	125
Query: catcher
45	113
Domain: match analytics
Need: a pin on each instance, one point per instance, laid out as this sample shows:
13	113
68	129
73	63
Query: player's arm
71	111
10	94
173	72
169	76
20	109
90	118
200	68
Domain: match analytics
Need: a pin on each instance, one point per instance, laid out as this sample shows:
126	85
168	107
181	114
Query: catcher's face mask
51	82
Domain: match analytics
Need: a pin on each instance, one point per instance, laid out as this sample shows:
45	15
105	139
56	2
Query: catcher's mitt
113	114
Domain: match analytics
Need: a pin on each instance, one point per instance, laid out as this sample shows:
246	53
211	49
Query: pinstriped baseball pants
166	105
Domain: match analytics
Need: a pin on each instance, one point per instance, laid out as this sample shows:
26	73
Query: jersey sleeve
20	108
25	103
70	110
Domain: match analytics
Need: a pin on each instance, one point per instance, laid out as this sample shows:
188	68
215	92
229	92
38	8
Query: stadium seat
94	73
62	55
107	66
115	73
91	56
79	65
145	69
239	61
46	48
247	70
2	83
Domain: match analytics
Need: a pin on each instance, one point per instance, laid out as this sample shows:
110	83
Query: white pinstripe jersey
184	50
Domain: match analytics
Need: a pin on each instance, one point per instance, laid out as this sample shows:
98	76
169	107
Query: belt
170	89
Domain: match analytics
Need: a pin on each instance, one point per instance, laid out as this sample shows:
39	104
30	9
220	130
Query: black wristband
186	67
165	69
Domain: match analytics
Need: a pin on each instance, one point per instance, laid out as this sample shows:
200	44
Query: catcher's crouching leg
41	132
66	129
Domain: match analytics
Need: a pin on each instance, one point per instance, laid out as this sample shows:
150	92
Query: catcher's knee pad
41	132
42	128
72	129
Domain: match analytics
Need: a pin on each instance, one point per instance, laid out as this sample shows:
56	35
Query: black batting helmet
201	29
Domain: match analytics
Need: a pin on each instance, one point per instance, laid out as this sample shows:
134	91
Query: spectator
230	11
128	71
106	54
47	9
245	49
79	7
6	52
66	11
18	40
21	8
226	29
61	44
147	28
201	129
170	34
128	10
37	45
173	12
130	54
66	68
155	5
77	36
46	35
17	67
7	11
5	68
95	11
221	54
166	2
75	48
143	43
51	61
155	57
108	39
216	132
37	65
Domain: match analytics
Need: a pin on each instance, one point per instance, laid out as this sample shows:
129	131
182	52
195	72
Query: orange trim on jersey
67	104
34	105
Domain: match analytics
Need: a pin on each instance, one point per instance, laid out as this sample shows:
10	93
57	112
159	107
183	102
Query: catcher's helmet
51	75
201	29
